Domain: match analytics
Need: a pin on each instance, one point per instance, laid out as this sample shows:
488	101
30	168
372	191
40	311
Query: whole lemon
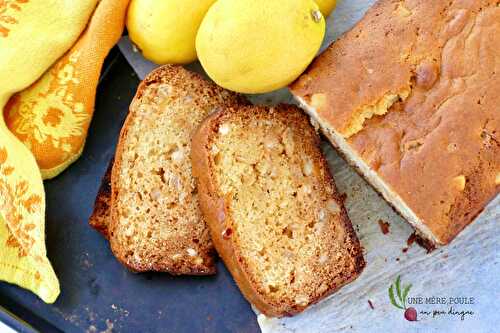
260	45
165	30
326	6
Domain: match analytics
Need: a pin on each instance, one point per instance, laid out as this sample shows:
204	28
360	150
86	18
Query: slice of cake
274	214
410	96
156	224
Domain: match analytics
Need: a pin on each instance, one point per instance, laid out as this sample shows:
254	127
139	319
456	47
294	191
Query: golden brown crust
437	145
216	210
196	90
100	217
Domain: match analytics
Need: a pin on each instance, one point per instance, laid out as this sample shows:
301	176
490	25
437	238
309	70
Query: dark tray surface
96	291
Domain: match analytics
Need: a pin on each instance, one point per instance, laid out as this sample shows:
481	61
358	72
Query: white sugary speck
307	189
307	168
214	150
301	300
321	215
323	258
175	181
164	90
318	227
129	231
155	194
192	252
178	156
224	129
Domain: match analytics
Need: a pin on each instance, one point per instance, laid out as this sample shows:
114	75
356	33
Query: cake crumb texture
156	224
271	204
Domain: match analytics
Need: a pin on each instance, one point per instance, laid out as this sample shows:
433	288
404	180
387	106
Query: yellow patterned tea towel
53	115
33	35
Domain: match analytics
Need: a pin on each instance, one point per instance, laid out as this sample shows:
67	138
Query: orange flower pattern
15	202
8	9
23	256
52	116
48	114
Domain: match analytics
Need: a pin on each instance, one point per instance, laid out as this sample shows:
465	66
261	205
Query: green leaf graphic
405	293
393	300
398	288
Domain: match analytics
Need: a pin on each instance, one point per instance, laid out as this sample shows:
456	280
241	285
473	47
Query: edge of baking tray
14	322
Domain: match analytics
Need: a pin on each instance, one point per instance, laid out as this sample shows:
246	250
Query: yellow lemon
165	30
326	6
260	45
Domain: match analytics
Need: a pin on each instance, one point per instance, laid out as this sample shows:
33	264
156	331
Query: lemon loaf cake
156	224
274	214
410	96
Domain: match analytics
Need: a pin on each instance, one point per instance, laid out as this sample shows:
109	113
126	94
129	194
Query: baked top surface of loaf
413	89
155	220
274	214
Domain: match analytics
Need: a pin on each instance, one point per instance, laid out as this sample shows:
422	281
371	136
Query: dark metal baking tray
97	293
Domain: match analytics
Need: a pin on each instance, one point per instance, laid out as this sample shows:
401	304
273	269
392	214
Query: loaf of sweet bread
274	214
410	97
151	217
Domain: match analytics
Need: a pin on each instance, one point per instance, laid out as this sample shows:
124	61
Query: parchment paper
468	267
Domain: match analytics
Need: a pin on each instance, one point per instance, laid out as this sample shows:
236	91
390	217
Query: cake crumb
384	226
91	329
109	326
411	239
424	243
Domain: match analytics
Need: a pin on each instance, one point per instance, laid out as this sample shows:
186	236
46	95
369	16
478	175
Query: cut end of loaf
339	141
